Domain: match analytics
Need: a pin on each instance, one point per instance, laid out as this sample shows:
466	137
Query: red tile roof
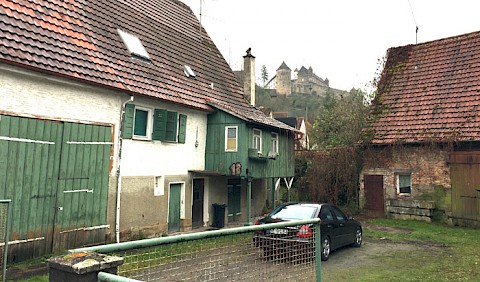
79	40
430	92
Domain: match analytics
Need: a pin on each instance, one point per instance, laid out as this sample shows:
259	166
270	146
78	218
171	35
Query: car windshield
294	212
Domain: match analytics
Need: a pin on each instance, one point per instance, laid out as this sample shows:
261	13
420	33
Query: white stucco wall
144	158
36	95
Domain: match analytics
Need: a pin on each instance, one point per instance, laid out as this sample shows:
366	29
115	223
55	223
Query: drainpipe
119	178
249	198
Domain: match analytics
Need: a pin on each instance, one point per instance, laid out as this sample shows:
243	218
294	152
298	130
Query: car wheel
326	248
358	238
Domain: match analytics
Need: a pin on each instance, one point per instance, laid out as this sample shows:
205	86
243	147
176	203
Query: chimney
249	76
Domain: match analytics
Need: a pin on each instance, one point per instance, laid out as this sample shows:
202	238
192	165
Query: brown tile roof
78	39
430	92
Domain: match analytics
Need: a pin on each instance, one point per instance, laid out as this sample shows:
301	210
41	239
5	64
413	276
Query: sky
342	40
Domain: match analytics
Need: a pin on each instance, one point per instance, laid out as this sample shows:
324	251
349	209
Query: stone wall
430	176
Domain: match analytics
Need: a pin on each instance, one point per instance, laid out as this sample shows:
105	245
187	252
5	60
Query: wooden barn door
81	207
374	195
29	153
56	175
465	177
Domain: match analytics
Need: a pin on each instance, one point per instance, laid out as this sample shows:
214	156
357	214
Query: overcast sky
342	40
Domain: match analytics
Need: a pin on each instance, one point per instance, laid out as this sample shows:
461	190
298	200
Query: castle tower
284	80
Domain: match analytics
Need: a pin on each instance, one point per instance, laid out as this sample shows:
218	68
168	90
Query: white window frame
397	183
133	44
148	135
274	142
226	138
257	139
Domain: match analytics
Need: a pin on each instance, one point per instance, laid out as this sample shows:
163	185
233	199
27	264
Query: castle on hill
301	81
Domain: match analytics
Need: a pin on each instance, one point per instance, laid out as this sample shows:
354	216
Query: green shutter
171	132
159	124
127	128
182	128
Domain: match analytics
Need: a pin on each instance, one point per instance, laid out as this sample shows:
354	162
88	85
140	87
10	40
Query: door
197	206
465	177
174	206
46	169
234	197
81	203
374	195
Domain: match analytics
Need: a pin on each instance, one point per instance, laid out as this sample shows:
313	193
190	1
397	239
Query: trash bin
218	215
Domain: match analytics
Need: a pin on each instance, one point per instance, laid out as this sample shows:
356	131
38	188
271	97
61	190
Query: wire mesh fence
255	253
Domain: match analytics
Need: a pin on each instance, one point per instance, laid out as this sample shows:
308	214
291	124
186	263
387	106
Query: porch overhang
207	173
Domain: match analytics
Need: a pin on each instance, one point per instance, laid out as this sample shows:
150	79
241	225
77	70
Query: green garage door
56	175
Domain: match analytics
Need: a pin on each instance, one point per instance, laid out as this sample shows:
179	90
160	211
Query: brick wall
427	165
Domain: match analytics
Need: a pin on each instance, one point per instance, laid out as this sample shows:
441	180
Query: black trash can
218	215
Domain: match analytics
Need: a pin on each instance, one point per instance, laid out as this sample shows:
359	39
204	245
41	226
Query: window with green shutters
167	126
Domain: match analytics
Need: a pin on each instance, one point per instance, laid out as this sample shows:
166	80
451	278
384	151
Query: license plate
278	231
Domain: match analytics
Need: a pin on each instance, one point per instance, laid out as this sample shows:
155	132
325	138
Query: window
326	214
163	125
142	123
133	44
257	140
404	184
339	215
158	188
231	137
274	148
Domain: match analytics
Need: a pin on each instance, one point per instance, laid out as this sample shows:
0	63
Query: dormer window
134	45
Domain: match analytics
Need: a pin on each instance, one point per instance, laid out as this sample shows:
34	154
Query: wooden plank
4	131
19	195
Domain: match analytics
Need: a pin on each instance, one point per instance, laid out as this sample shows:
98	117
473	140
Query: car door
329	225
344	229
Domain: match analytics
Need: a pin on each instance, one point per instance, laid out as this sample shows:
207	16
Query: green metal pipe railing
110	248
108	277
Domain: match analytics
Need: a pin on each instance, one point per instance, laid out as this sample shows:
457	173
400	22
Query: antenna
200	16
415	21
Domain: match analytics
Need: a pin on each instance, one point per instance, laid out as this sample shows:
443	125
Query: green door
29	153
174	207
82	186
43	165
234	196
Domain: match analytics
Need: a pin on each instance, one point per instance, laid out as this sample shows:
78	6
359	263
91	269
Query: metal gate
56	174
465	177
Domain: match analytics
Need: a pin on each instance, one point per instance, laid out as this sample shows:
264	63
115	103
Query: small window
257	140
231	137
274	148
187	70
404	184
134	45
142	125
158	188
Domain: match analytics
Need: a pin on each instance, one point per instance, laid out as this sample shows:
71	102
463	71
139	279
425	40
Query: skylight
133	44
188	71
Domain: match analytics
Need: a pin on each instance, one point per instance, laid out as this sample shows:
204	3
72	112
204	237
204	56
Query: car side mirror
349	218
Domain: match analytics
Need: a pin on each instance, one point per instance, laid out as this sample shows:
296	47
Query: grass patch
440	253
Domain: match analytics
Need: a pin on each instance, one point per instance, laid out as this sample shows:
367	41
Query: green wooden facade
219	160
56	174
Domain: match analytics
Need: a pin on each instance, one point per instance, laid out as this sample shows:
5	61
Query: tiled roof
78	39
430	92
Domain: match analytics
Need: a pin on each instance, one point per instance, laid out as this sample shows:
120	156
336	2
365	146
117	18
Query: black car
337	230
